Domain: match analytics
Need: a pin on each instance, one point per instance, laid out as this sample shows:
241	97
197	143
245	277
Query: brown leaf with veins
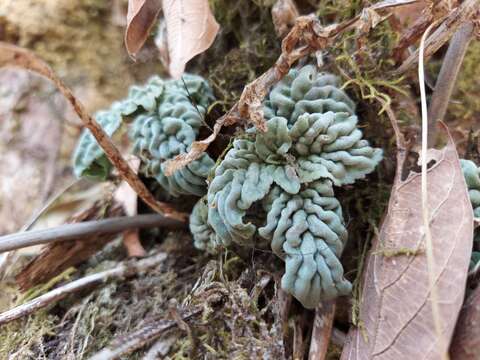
395	311
141	16
191	29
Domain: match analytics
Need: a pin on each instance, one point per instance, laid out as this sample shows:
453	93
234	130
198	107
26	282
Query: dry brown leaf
284	13
466	340
395	319
141	16
191	29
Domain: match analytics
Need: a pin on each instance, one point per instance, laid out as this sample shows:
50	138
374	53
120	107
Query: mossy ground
239	320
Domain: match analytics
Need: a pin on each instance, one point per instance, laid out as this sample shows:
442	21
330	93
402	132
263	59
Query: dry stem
78	230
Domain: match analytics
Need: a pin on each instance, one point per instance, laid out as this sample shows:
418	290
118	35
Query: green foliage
312	141
167	118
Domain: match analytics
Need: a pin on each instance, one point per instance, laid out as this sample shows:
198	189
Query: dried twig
138	339
443	33
306	37
425	209
122	270
75	231
322	330
11	55
447	76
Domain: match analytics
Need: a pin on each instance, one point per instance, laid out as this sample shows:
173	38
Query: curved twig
83	229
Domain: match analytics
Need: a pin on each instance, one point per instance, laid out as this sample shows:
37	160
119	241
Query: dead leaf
395	319
466	340
284	13
191	29
141	16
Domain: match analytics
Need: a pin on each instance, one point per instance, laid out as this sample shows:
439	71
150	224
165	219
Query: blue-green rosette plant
472	177
312	142
167	116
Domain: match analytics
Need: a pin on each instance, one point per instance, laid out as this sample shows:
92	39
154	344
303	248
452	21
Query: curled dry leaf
284	13
466	340
191	29
141	17
392	325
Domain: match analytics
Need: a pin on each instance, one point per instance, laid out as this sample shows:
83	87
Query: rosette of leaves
167	116
472	177
312	141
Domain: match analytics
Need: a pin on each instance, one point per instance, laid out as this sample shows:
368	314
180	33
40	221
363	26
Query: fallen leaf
466	340
284	13
191	29
395	319
141	17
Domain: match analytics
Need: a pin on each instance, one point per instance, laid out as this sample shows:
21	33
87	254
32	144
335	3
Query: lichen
312	141
167	117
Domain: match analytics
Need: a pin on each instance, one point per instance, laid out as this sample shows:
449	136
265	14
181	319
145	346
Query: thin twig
11	55
122	270
138	339
83	229
446	78
425	209
322	330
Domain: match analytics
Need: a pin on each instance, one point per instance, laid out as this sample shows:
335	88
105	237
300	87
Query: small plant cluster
311	144
285	175
167	115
